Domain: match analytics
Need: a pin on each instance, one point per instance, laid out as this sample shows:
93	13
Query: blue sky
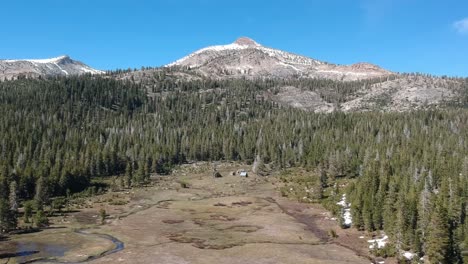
401	35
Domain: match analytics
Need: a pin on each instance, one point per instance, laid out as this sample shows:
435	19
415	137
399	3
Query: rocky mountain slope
380	90
396	93
408	93
247	58
63	65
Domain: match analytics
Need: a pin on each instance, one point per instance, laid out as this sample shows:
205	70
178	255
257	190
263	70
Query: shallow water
33	252
25	251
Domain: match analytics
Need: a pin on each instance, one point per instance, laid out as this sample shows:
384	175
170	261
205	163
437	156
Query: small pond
24	251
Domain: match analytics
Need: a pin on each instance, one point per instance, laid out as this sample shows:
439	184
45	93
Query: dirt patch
296	210
199	222
86	217
171	222
244	228
215	247
189	210
198	242
220	217
241	203
164	204
319	222
182	238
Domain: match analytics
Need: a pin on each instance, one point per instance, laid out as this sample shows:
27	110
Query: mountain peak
62	65
245	41
63	57
364	66
246	58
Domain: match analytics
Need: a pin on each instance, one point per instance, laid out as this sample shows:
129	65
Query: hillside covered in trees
408	171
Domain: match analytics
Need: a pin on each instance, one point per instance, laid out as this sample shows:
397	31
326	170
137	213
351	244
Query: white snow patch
64	71
43	61
91	70
342	202
289	65
347	217
348	220
379	242
233	46
408	255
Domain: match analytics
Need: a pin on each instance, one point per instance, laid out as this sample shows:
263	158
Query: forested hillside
392	93
408	170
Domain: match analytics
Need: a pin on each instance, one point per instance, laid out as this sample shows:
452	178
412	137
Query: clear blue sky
400	35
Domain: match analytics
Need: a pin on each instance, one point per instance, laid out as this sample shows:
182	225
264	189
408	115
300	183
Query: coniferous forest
408	172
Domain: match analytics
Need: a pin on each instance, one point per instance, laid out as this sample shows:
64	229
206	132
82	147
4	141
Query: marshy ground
215	220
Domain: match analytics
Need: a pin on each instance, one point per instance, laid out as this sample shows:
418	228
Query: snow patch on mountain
41	61
289	57
233	46
64	71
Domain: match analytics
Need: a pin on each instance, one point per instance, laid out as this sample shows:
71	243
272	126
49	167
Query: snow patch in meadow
379	242
408	255
347	217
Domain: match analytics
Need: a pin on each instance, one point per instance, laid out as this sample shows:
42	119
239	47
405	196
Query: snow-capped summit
51	60
62	65
247	58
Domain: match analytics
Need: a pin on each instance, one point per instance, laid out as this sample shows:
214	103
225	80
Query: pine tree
8	219
28	211
42	193
147	171
424	209
318	190
40	219
140	175
129	175
438	239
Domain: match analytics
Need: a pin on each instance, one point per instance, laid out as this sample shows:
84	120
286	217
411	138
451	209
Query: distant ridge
59	66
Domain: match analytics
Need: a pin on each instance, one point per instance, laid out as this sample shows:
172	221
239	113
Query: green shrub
332	233
184	183
41	219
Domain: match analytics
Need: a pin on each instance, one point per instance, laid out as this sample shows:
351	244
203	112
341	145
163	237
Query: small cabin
243	174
